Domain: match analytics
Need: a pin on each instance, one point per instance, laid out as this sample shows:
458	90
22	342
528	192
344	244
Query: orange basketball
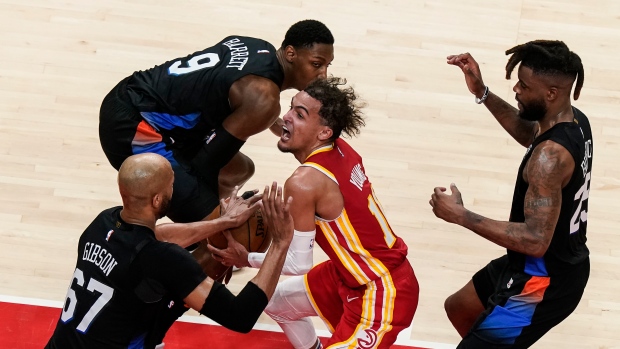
253	235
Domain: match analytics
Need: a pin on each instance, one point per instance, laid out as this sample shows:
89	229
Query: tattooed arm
548	170
521	130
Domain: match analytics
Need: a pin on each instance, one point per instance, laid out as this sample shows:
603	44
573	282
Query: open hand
239	209
234	254
277	215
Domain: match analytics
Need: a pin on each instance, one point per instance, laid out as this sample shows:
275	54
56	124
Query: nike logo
350	299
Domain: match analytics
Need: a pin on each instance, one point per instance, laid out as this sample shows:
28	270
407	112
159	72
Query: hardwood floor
59	58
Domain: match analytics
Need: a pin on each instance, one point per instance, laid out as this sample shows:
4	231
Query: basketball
253	235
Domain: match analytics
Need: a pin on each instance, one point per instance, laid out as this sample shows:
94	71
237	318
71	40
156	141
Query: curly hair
547	57
307	33
340	109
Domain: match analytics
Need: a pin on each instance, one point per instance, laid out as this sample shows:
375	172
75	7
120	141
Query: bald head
144	177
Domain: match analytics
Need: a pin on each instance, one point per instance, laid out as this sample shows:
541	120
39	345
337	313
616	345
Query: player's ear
290	53
552	94
326	133
157	200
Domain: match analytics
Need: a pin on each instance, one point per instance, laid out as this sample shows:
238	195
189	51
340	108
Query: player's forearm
186	234
269	274
521	130
299	258
513	236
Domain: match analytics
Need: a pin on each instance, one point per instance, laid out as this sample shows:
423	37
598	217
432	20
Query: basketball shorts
521	308
124	132
368	316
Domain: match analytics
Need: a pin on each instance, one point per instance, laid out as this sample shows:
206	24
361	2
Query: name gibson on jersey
99	256
238	53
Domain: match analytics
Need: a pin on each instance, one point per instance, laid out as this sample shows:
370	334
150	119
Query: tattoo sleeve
522	131
549	166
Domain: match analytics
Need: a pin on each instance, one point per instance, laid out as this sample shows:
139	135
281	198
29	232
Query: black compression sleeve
217	150
235	313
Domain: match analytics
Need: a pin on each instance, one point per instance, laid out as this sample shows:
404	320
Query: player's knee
449	305
279	309
238	173
274	310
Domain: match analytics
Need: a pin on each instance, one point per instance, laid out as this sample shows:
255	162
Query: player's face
529	93
302	124
311	63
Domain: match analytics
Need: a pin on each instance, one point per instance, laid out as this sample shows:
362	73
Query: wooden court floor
58	59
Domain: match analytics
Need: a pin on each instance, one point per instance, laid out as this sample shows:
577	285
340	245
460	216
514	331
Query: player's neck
302	156
556	116
138	218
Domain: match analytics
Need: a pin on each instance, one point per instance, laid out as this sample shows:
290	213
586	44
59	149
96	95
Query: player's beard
533	111
163	209
284	148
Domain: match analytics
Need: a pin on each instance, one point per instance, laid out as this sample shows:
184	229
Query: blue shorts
123	131
520	308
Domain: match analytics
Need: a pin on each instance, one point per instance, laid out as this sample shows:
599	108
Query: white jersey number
375	208
581	215
205	60
106	293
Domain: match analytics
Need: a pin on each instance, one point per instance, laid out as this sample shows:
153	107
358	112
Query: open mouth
286	135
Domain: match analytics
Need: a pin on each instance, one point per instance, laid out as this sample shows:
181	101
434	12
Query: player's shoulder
550	159
256	92
156	248
549	150
305	179
247	40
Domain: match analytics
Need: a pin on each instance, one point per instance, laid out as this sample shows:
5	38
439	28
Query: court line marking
400	340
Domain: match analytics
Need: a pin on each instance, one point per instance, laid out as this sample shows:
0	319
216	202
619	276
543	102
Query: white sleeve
298	257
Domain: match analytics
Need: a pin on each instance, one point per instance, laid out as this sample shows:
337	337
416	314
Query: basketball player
516	299
123	272
197	111
366	293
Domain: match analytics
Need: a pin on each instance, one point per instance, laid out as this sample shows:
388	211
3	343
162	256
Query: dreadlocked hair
547	57
340	109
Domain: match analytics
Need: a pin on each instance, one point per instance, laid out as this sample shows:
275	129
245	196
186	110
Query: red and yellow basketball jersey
360	241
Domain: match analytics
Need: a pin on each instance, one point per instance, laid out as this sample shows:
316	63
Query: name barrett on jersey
238	53
99	256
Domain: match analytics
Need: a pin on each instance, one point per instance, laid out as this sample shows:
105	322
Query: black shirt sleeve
171	266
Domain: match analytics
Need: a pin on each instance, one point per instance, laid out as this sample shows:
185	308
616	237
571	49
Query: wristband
484	96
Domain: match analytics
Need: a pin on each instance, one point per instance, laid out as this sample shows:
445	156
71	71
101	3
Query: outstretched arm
240	313
548	171
521	130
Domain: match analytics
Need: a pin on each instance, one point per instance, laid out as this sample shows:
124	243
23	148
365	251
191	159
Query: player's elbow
246	326
538	249
238	313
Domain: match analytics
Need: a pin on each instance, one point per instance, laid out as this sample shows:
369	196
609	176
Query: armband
298	257
238	313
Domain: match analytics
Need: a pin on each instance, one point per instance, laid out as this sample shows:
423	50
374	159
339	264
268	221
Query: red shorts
367	316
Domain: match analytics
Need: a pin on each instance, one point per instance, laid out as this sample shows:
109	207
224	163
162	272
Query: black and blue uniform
172	108
526	296
123	282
